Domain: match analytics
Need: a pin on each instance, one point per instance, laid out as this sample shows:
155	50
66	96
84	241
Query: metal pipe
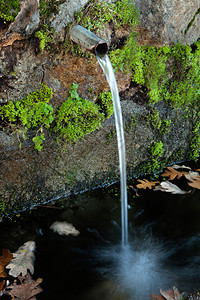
89	40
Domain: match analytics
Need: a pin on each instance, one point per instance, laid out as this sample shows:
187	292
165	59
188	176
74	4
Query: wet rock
21	70
87	74
167	22
66	15
29	177
27	19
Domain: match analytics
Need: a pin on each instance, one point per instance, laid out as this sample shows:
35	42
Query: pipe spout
89	40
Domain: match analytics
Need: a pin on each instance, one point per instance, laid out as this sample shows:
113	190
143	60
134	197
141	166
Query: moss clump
106	103
96	14
9	10
157	149
169	74
30	112
77	117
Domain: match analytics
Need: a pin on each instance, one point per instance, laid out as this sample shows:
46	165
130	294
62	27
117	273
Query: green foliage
156	152
158	123
77	117
106	103
169	74
38	139
31	112
96	14
9	9
45	36
195	139
157	149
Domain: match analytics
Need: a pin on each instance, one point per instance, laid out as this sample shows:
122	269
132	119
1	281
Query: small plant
45	36
157	149
9	10
30	112
106	103
77	117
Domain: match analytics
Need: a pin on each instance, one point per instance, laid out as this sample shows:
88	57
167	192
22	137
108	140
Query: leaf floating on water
168	295
172	173
64	228
23	260
195	182
169	187
146	184
5	258
26	290
192	175
181	167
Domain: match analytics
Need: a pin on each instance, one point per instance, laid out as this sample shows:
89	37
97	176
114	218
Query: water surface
163	250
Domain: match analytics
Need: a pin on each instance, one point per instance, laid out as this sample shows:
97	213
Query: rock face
168	22
28	177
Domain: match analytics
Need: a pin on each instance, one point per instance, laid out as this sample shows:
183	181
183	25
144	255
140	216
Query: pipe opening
101	48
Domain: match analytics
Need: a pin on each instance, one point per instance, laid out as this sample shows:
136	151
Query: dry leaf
22	260
195	182
181	167
169	187
64	228
26	290
168	295
146	184
172	173
192	175
4	260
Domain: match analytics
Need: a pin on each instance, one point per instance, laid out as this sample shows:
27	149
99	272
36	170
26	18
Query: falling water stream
106	65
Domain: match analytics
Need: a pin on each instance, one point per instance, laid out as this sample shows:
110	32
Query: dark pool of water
163	250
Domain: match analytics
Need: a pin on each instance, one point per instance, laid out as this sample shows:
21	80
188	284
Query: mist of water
107	68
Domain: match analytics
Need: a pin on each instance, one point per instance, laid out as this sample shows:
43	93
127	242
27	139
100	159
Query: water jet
99	47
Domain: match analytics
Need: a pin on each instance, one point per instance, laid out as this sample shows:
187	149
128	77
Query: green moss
195	138
9	10
157	123
177	85
155	163
2	206
77	117
44	39
106	103
156	149
96	14
30	112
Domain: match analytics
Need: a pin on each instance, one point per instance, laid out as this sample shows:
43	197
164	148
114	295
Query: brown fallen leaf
26	290
195	182
146	184
168	295
4	260
172	173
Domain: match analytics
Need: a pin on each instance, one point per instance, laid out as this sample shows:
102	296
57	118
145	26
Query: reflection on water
163	250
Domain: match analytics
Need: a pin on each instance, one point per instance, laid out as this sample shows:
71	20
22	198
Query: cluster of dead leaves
174	172
168	295
23	287
21	264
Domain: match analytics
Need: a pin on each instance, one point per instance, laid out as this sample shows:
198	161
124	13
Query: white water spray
107	68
